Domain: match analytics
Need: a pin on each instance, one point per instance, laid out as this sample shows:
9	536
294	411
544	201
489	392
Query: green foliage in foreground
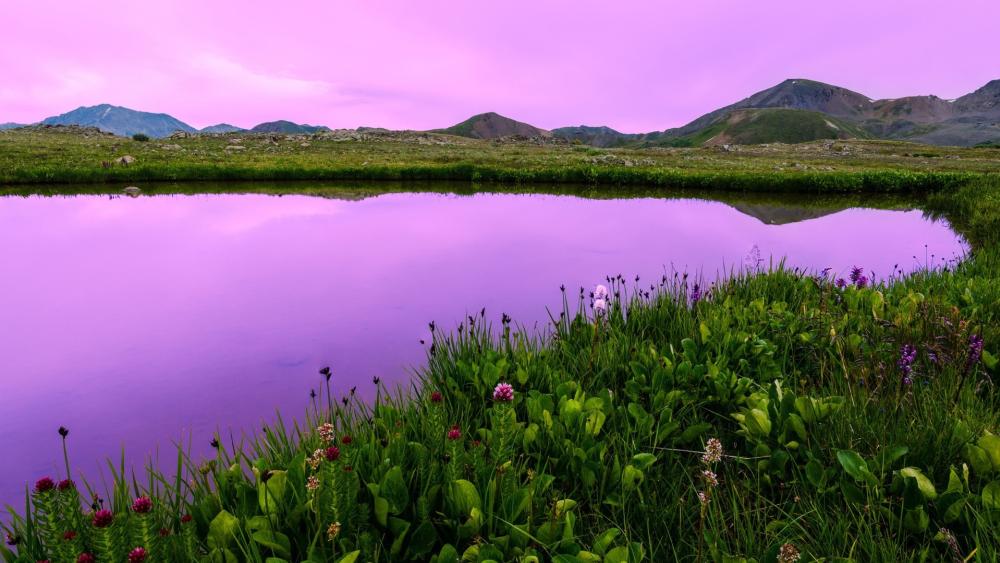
836	442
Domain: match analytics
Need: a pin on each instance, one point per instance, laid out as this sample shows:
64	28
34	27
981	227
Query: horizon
650	67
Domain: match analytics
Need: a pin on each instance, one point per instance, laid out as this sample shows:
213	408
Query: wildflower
85	558
600	306
346	440
333	531
186	518
316	459
710	478
332	453
102	518
164	532
503	392
436	397
63	431
862	282
142	505
454	433
704	498
907	381
348	469
312	483
713	451
137	555
856	273
44	485
788	554
325	372
841	283
70	535
326	431
695	294
600	292
975	350
933	357
66	484
907	355
214	443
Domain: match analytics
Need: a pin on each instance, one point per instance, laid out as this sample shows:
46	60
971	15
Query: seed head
312	483
710	478
63	431
333	531
788	554
713	451
326	431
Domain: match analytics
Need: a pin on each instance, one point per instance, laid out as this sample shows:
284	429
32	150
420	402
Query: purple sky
636	66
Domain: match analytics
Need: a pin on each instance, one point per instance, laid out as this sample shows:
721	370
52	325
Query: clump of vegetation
141	137
764	418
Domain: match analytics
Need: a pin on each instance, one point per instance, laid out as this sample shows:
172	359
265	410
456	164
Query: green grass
599	456
62	156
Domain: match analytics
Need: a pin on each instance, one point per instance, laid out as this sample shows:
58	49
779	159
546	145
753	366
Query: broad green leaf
394	490
275	541
271	494
926	487
643	460
991	496
222	530
350	557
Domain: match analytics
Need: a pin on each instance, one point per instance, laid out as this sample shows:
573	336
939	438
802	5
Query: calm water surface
139	322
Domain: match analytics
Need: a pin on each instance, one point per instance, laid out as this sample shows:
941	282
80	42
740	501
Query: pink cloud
636	66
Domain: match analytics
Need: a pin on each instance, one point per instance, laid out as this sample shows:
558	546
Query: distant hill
493	126
10	125
969	120
768	125
121	121
595	136
287	127
221	128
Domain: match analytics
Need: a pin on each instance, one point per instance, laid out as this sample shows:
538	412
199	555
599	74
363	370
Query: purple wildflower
137	555
975	351
841	283
907	381
856	273
907	355
102	518
695	294
503	392
44	484
862	282
142	505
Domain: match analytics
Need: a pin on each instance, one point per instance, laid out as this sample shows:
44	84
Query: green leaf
275	541
643	460
853	464
815	474
448	554
394	490
464	497
617	555
916	520
222	530
604	541
350	557
991	496
422	540
978	459
991	444
923	483
382	511
271	494
631	477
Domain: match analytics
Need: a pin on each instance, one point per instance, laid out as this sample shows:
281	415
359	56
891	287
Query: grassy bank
774	413
46	156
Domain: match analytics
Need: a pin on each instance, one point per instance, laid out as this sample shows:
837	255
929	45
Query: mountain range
796	110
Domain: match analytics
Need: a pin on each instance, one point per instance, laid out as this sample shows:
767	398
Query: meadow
776	416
